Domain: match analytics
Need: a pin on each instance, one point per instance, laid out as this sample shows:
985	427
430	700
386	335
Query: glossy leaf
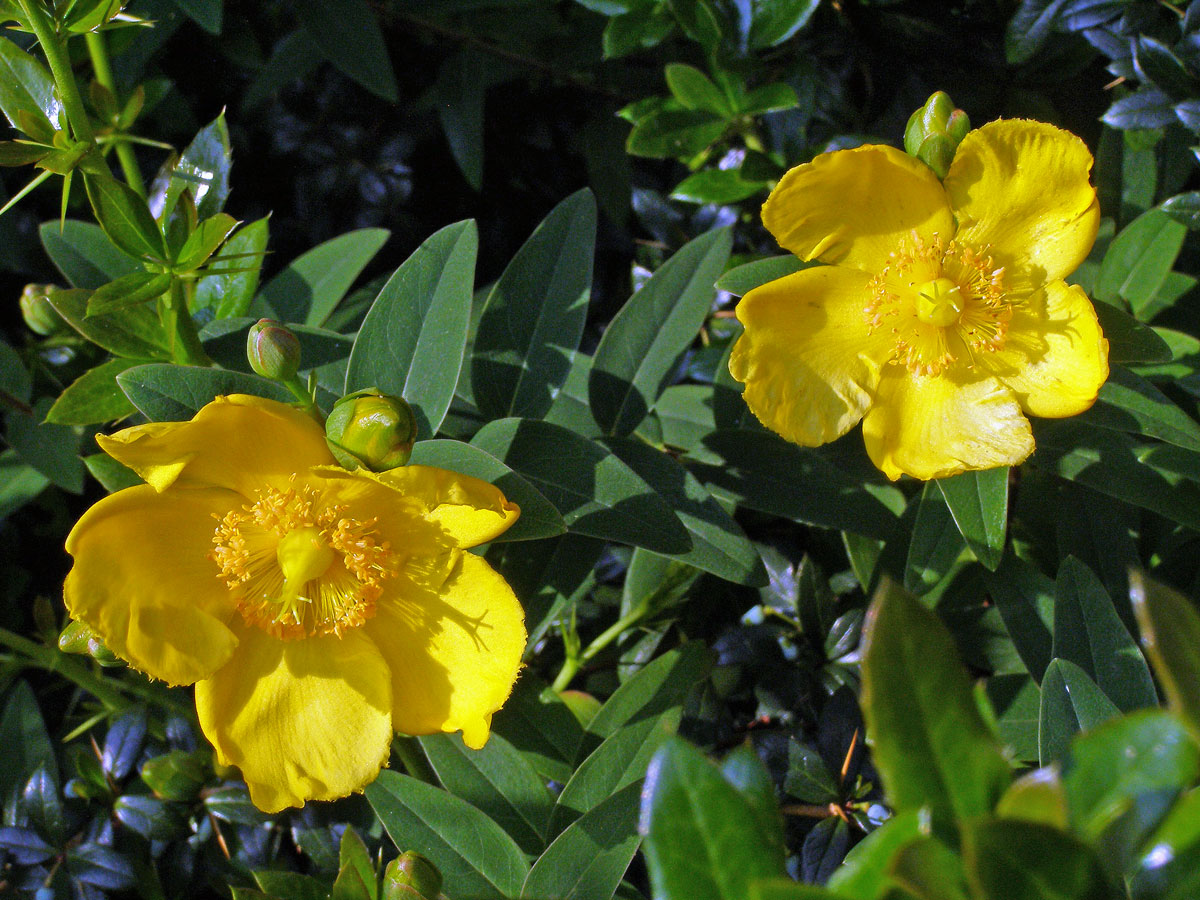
202	170
740	280
125	217
1138	260
931	746
695	90
412	341
204	241
865	871
1128	402
979	503
84	254
53	450
26	86
663	684
23	733
125	293
309	288
1036	796
170	393
537	722
534	315
935	544
1169	867
1170	632
1071	703
1129	341
637	354
231	277
474	855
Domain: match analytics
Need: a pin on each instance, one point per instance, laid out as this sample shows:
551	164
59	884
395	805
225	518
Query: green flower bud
39	315
371	430
273	351
411	876
934	132
79	638
178	775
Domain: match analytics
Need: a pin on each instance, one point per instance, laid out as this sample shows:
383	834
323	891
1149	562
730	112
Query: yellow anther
939	302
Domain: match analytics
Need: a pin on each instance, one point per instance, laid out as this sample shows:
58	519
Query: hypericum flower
944	318
316	610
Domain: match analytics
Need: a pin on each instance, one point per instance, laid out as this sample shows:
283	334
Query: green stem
413	760
55	49
572	664
305	398
183	341
98	51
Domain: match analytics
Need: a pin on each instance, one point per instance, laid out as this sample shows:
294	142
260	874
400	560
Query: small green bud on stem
273	351
371	430
411	876
39	315
79	638
934	132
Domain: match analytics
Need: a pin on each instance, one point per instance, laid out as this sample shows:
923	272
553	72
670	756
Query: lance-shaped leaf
26	87
1170	627
124	293
203	169
310	286
979	503
204	241
125	217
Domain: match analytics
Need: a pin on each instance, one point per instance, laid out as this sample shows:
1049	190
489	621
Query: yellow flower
943	319
316	610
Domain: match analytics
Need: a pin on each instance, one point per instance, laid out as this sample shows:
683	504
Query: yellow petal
304	720
452	633
1021	193
241	442
938	425
143	581
853	207
807	358
1055	357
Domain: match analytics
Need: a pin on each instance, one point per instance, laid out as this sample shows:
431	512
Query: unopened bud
39	315
273	351
934	132
411	876
371	430
79	638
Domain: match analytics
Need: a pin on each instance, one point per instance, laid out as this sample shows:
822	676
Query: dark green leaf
1089	633
1138	260
931	746
349	36
1184	208
1170	865
539	518
808	778
720	186
1027	861
695	90
170	393
83	253
134	333
534	316
1156	63
771	97
412	341
1037	796
1030	28
356	878
740	280
1025	598
864	874
537	722
205	13
1145	108
26	86
1170	626
1129	341
642	27
936	543
765	472
231	277
662	685
124	217
203	170
309	288
699	20
979	503
591	488
94	396
462	83
497	781
675	133
19	482
51	449
588	859
474	855
703	840
127	292
23	734
1128	402
774	21
1071	703
288	885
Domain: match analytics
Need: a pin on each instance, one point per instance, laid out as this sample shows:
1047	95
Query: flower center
298	568
943	302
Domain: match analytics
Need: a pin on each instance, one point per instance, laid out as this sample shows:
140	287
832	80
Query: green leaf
205	13
497	781
589	858
23	735
94	396
703	840
719	545
203	169
1109	768
349	36
26	86
1030	28
680	133
412	342
124	293
1071	703
695	90
313	284
84	254
51	449
474	855
929	869
539	724
125	217
1184	209
765	472
808	778
1025	598
662	685
1036	796
786	889
720	186
1089	633
699	20
1027	861
774	21
1170	627
289	885
979	503
644	26
1016	699
1129	341
1128	402
19	482
231	277
596	493
931	746
740	280
865	872
539	518
1155	62
936	543
356	878
170	393
637	354
225	341
769	97
134	333
204	241
1170	865
534	316
1139	259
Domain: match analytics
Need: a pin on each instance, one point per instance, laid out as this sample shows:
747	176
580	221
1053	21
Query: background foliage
513	214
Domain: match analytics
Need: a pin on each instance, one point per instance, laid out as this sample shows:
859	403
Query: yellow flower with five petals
942	319
316	610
